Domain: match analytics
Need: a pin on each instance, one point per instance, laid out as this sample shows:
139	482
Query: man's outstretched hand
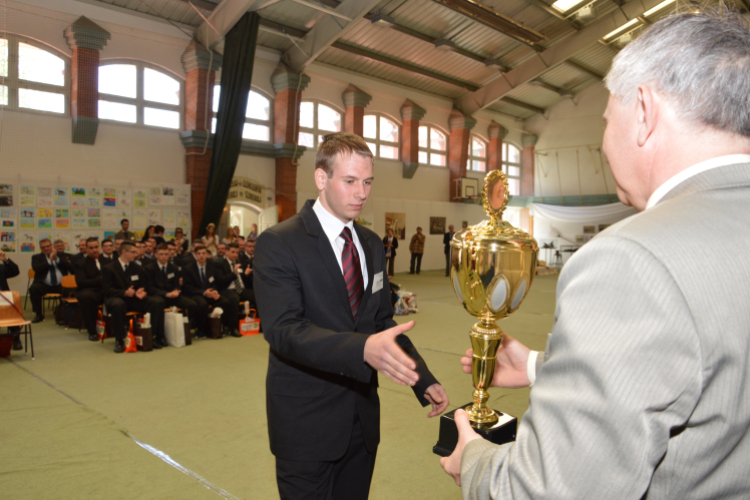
510	368
452	463
386	356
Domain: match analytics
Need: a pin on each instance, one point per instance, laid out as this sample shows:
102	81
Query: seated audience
9	269
48	272
180	241
81	252
253	233
88	272
247	253
236	231
232	273
118	242
124	233
158	236
209	239
124	283
108	252
200	284
221	251
231	237
149	247
59	246
148	233
140	249
164	282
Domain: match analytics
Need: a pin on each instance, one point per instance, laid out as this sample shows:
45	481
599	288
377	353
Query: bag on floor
75	317
130	345
174	329
214	328
101	327
143	336
401	309
250	324
411	303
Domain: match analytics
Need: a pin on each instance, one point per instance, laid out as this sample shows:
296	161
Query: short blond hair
340	143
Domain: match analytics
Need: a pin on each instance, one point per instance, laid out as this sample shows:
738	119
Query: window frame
315	131
13	82
431	151
139	100
253	121
378	141
471	157
506	163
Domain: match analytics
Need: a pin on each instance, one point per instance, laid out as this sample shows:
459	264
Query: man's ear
320	178
647	114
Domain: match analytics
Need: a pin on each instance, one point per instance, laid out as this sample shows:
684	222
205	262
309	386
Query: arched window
477	154
32	77
433	145
315	120
257	116
381	135
136	93
512	167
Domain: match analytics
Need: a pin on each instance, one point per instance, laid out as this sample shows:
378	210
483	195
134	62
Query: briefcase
214	328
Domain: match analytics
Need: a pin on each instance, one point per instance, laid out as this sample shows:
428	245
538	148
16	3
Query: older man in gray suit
644	388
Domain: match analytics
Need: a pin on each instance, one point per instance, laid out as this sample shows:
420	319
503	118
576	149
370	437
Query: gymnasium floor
82	422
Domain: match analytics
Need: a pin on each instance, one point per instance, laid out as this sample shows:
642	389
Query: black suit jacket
246	262
88	276
41	267
317	378
160	285
8	269
394	243
224	274
115	281
105	261
191	279
447	237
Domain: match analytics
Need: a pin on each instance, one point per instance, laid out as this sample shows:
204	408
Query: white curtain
582	214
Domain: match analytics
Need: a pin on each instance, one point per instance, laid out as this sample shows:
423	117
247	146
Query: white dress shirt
53	268
333	227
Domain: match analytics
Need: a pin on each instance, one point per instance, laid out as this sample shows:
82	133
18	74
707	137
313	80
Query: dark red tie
352	271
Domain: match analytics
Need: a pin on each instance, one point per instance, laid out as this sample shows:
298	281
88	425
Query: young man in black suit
124	283
247	254
88	274
49	269
81	252
233	273
164	282
390	244
199	282
108	254
324	298
9	269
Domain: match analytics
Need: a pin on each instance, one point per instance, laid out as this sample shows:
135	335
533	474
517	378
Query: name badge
134	277
377	283
170	276
211	279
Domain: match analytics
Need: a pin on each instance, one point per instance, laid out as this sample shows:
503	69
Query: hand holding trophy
492	267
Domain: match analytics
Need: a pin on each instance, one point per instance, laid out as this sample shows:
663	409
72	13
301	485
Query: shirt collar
123	264
332	225
692	171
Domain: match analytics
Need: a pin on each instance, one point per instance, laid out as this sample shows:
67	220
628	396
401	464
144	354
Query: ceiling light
445	45
383	20
564	5
587	13
622	29
658	8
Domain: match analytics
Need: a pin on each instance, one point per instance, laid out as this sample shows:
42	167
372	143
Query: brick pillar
411	113
87	39
288	87
527	165
458	150
355	102
496	133
197	139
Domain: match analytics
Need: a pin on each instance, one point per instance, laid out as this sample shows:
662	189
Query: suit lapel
369	266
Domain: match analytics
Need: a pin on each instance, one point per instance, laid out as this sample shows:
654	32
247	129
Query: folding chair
12	316
68	296
28	285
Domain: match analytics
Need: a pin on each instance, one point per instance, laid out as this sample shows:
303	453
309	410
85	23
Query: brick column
355	102
458	150
527	165
496	133
197	139
411	113
288	87
87	39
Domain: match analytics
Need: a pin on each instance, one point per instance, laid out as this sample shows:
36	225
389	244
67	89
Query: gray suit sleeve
623	370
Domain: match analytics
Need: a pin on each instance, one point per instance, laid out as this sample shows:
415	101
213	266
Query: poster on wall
44	197
167	196
397	222
8	241
183	219
28	218
78	197
109	218
6	195
140	220
44	235
437	225
61	197
64	237
94	197
62	218
110	197
8	217
139	198
154	217
182	196
26	242
44	218
124	198
77	236
170	218
28	196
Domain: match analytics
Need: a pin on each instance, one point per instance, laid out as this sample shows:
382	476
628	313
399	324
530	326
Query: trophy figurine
492	267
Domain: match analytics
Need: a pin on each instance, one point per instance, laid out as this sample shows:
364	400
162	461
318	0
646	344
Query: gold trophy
492	267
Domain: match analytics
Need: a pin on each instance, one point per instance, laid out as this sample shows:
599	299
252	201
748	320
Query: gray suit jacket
645	387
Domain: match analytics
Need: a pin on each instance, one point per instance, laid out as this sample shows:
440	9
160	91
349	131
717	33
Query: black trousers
89	301
39	290
448	264
348	478
389	261
201	311
415	258
117	307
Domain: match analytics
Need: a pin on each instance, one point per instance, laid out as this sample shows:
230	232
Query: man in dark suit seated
48	272
81	252
59	246
108	254
140	249
158	236
164	282
88	274
149	249
221	251
231	277
124	283
199	282
172	255
9	269
247	252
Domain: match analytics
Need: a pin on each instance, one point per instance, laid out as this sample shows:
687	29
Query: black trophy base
504	431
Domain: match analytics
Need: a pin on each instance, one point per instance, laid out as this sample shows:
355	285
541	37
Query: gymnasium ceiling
515	57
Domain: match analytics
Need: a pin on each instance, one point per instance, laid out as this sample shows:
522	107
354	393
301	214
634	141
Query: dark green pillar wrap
236	75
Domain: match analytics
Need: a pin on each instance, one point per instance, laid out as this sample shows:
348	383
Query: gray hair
700	61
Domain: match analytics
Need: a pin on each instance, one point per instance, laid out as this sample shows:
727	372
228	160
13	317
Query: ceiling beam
546	86
521	104
325	33
584	69
333	12
201	4
556	13
554	56
222	19
282	29
404	65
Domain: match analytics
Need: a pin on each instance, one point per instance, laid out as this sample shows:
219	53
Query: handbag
250	326
143	337
174	329
214	328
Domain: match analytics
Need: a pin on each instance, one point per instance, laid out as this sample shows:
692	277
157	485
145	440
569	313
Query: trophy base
504	431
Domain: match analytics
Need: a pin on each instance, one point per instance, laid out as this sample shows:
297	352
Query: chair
28	285
12	316
68	297
49	298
